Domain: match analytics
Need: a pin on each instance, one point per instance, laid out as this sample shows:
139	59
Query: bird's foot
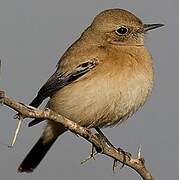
125	156
91	156
95	149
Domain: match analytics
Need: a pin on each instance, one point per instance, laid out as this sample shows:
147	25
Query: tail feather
35	121
37	101
37	153
35	156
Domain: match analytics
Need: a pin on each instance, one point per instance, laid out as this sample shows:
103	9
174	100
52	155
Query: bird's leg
118	149
104	137
95	150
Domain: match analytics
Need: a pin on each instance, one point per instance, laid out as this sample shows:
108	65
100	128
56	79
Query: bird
102	79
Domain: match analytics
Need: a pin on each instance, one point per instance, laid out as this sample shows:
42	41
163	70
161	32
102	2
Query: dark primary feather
57	81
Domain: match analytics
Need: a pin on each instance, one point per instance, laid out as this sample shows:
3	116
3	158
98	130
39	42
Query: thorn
139	149
16	132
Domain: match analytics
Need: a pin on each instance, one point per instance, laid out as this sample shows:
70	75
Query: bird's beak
148	27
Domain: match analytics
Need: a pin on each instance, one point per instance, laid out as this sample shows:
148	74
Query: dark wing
58	80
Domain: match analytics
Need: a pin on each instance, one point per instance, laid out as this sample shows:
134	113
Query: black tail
35	121
37	101
35	156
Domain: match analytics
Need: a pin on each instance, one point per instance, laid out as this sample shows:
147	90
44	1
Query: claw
115	164
17	116
124	159
92	155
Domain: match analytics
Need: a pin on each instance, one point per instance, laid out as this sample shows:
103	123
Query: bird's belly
100	103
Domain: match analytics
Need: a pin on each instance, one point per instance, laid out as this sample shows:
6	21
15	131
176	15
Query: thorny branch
137	164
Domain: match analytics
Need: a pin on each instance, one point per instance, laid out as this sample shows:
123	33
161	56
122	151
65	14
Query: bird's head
119	27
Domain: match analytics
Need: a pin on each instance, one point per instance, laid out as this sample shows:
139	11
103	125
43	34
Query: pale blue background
33	34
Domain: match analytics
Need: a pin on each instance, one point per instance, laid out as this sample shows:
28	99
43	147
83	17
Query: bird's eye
122	30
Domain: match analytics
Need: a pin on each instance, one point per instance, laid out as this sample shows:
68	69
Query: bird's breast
110	93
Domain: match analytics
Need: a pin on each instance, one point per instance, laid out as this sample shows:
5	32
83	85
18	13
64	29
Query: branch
26	111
